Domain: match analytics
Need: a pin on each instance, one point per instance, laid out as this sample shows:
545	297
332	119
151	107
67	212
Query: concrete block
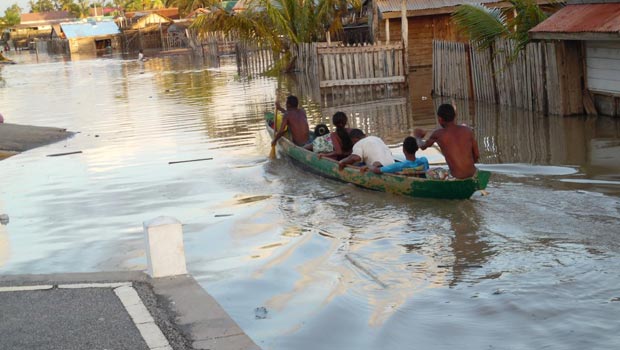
152	335
139	313
128	296
164	247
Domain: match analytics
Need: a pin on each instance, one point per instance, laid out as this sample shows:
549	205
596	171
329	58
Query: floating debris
260	313
330	197
191	160
4	219
63	154
460	266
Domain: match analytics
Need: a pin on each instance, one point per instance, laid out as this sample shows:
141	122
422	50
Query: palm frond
482	24
528	15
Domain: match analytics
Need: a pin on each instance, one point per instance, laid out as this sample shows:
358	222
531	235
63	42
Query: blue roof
86	29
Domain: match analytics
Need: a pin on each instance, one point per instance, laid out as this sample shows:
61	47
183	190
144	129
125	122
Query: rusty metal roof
586	18
46	17
417	5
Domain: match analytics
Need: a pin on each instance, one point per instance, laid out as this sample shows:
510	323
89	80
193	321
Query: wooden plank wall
423	30
346	72
534	80
451	76
355	65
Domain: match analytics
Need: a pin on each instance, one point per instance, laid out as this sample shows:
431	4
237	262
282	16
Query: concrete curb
186	314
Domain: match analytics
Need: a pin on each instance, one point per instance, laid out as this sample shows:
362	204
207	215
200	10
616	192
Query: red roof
586	18
46	17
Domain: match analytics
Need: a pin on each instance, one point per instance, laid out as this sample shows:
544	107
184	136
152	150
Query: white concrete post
164	247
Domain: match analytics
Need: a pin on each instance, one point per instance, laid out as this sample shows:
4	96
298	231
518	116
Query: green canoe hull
391	183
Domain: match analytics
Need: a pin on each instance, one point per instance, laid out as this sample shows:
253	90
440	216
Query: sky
6	3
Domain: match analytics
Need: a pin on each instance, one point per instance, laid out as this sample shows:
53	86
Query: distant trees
11	17
281	24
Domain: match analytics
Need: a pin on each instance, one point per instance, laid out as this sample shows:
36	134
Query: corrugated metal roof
593	18
170	12
86	29
26	18
418	5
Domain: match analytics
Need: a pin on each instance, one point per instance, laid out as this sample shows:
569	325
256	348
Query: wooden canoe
391	183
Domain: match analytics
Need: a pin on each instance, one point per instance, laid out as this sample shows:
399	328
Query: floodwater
533	265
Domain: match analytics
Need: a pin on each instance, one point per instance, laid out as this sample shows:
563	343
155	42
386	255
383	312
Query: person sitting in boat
340	138
457	143
410	147
296	121
368	150
322	142
141	57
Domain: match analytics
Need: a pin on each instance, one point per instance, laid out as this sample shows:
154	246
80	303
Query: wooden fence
349	71
253	58
529	80
354	65
450	77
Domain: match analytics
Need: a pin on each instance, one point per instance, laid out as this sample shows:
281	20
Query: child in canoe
410	147
321	140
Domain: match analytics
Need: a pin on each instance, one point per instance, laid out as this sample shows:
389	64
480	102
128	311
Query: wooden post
405	36
165	253
387	30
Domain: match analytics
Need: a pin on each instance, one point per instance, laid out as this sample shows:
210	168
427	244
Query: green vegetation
11	17
281	24
484	25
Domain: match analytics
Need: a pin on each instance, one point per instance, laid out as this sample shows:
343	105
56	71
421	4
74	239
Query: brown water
534	265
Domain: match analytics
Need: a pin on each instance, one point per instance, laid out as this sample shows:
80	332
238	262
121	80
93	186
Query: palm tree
484	25
187	6
280	24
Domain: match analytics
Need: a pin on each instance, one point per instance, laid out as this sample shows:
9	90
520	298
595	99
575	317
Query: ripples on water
533	265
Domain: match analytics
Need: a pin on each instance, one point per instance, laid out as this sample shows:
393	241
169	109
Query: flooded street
533	265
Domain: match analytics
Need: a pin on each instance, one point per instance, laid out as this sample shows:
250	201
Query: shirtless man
457	143
296	121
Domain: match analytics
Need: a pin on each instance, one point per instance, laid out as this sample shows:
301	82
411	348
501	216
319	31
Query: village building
131	18
147	20
89	38
36	26
588	31
427	20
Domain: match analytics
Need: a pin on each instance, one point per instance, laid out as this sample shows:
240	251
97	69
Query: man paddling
457	143
296	121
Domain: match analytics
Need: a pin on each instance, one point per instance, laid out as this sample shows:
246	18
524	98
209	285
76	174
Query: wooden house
146	20
37	25
89	37
427	20
588	31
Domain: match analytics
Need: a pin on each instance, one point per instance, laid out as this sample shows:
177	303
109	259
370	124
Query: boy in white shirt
369	150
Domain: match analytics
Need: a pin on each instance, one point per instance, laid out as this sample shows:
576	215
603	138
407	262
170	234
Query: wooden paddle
272	154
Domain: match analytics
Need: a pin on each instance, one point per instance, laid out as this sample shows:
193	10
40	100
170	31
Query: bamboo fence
451	69
253	58
529	80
